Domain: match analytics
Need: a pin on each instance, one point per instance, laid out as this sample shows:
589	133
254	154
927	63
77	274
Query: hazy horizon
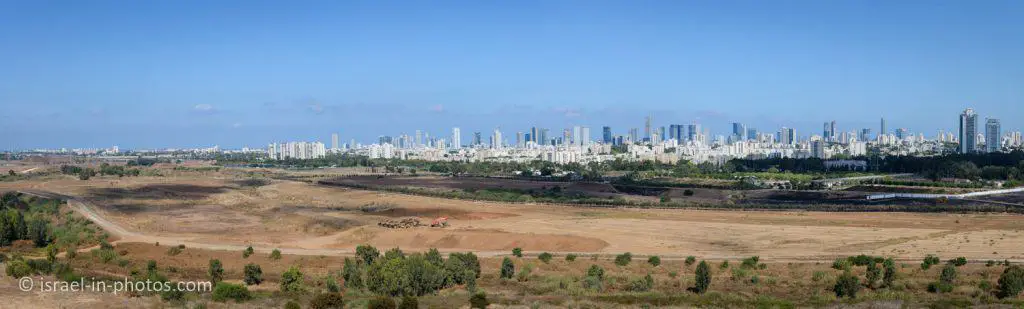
233	73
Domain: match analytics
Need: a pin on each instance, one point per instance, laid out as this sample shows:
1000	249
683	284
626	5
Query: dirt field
226	210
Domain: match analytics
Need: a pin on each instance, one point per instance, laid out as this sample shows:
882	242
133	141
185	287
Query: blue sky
233	73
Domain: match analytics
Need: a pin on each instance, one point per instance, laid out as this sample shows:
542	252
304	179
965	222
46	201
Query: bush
750	262
253	274
381	302
328	301
1011	282
517	252
292	305
841	264
367	253
524	273
929	260
216	271
847	285
544	257
990	263
724	265
71	252
687	192
18	269
623	259
456	266
351	273
860	260
690	260
224	291
479	301
332	285
940	287
275	255
247	252
409	302
642	285
507	268
570	257
172	251
872	274
595	271
890	272
291	280
960	261
702	277
948	274
654	260
394	253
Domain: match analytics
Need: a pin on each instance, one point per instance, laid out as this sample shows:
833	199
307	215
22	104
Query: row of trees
396	274
20	220
988	166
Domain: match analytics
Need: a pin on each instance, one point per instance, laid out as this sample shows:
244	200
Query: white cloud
203	107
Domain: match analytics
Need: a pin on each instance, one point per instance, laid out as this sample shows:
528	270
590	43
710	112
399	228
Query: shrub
172	294
327	301
642	285
702	277
456	266
750	262
291	280
847	285
394	253
434	257
673	274
841	264
570	257
959	261
654	260
872	274
381	302
253	274
948	274
860	260
507	268
478	301
929	260
247	252
517	252
172	251
291	304
216	271
51	253
224	291
690	260
1011	282
275	255
524	273
544	257
990	263
71	252
18	269
940	287
687	192
724	265
351	273
595	271
817	276
409	302
367	253
332	284
890	272
623	259
397	276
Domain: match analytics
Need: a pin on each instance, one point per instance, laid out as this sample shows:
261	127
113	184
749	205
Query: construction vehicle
439	222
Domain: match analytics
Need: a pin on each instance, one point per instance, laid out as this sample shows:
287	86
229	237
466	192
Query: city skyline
146	75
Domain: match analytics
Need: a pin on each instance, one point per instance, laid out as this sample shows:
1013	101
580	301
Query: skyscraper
675	131
533	136
787	136
496	142
634	135
992	135
584	137
739	131
647	127
829	132
334	141
456	138
606	136
693	132
865	134
543	138
751	133
882	131
968	131
477	139
520	141
661	133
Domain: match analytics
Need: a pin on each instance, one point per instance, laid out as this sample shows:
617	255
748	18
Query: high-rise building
647	127
739	131
675	131
533	136
693	132
882	131
334	141
520	141
865	134
968	131
829	132
576	137
543	137
633	135
787	136
606	136
477	139
661	133
456	138
751	133
992	135
818	149
419	138
902	133
496	142
584	137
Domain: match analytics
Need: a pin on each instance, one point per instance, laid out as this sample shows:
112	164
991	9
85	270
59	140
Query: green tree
507	268
890	272
1011	282
275	254
702	277
544	257
247	252
847	285
409	302
623	259
570	257
654	260
434	257
479	301
367	253
948	274
38	230
253	274
873	274
291	280
216	271
224	291
394	253
352	274
517	252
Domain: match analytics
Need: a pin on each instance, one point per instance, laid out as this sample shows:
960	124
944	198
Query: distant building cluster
296	150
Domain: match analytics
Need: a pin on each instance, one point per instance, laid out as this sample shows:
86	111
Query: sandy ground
222	211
